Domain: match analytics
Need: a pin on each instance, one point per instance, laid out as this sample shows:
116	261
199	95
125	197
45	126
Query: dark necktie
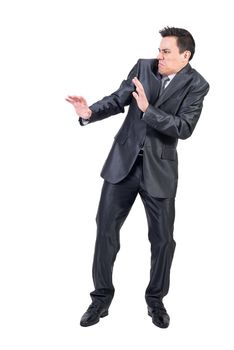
163	84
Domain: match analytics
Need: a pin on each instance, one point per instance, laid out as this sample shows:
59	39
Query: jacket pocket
169	153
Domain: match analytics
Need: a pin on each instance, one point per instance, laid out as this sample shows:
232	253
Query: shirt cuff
83	121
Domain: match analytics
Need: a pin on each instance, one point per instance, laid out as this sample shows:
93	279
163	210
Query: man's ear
187	55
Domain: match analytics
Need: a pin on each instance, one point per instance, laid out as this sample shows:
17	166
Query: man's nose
160	56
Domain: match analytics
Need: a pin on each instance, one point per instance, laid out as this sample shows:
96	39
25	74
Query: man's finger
139	90
138	84
137	81
68	100
135	95
83	100
75	98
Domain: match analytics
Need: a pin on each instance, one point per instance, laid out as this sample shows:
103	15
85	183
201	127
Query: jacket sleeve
114	103
181	125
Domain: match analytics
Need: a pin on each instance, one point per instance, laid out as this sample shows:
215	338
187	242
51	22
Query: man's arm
114	103
181	125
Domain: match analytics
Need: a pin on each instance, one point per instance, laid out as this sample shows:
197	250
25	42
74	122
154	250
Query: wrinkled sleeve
114	103
181	125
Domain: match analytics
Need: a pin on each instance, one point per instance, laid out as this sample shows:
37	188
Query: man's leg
115	203
160	214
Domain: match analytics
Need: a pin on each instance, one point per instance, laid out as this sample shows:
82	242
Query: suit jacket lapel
152	89
151	83
180	80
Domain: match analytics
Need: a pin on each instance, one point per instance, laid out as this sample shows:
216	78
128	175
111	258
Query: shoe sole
104	314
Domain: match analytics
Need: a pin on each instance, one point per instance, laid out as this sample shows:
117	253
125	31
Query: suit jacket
171	116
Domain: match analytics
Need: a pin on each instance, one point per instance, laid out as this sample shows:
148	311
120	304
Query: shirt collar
171	76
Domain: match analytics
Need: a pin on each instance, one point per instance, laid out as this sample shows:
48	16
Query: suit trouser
115	204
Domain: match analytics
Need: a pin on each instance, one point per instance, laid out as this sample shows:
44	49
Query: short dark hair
185	40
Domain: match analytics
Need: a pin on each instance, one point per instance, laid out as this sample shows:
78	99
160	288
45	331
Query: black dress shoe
93	314
159	316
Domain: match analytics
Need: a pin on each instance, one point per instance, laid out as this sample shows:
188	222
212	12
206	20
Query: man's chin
161	70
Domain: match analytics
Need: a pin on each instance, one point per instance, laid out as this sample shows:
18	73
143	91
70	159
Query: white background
50	182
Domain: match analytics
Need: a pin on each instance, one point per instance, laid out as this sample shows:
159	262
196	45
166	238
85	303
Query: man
165	97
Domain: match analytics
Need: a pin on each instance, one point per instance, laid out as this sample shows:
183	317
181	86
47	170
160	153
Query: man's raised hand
80	105
139	95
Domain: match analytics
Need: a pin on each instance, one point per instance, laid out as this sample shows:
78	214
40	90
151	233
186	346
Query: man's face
170	59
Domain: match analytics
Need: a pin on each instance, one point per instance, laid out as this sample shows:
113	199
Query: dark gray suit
171	116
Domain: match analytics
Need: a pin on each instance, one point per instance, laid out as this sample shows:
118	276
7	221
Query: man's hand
80	105
139	95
